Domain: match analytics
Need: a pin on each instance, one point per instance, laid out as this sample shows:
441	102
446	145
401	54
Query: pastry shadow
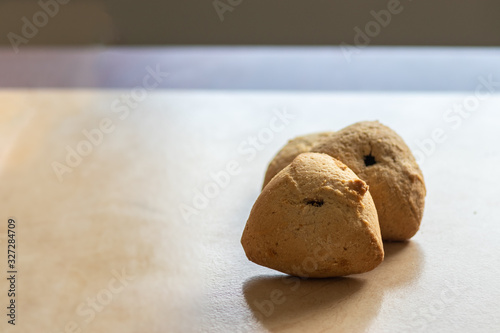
403	263
394	248
294	304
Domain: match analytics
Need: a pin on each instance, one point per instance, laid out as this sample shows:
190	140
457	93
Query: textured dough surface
292	149
316	218
380	157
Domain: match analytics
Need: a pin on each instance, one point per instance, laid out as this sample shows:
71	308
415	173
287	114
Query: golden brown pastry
292	149
380	157
315	218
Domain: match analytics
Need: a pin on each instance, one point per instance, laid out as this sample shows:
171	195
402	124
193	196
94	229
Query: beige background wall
418	22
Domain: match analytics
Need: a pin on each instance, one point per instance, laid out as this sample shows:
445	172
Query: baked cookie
315	218
292	149
379	156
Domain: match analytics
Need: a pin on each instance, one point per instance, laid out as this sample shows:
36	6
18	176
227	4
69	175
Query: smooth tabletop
129	218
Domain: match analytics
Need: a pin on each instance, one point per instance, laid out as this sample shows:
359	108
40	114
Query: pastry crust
292	149
315	218
379	156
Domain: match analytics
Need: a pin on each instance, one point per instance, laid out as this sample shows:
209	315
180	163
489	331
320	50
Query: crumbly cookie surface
315	218
379	156
292	149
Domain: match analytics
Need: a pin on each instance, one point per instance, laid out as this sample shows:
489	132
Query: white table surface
119	210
